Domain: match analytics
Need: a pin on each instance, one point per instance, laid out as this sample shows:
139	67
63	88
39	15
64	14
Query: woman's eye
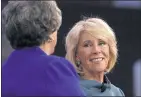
102	43
87	45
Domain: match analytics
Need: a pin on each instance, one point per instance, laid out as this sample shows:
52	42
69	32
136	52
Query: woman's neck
46	48
94	76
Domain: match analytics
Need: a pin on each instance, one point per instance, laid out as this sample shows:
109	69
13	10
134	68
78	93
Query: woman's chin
98	71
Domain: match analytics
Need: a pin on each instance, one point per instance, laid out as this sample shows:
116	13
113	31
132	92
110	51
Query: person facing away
92	47
30	70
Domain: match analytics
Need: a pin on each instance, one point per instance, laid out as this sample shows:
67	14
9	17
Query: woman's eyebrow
87	41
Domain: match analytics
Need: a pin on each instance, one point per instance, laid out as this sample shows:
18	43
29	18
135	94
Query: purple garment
30	72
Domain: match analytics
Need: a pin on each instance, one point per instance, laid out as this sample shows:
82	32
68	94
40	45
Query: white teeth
97	59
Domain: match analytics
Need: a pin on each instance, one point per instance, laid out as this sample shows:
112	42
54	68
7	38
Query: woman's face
93	53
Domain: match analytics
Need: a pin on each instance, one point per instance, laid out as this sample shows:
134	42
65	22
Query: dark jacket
30	72
95	88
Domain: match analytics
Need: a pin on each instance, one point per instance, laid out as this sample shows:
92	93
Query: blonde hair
98	28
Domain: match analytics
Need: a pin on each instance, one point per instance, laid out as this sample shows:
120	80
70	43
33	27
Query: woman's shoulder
53	59
117	91
60	63
58	59
92	88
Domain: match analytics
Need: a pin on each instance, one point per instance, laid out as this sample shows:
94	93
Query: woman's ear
49	40
52	37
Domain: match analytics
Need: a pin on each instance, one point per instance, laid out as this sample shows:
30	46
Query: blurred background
124	17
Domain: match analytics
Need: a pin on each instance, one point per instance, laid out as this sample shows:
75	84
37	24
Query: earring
79	67
78	61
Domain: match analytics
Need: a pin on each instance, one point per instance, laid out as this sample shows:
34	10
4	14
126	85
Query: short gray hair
29	23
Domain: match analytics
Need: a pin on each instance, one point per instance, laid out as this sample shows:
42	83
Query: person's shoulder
50	58
117	90
56	59
62	61
58	62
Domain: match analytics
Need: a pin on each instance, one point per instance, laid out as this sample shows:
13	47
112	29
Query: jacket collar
94	83
36	50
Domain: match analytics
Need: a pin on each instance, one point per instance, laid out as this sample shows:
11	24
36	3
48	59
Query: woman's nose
96	49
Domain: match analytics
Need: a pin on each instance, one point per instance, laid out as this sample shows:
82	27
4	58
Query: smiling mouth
96	59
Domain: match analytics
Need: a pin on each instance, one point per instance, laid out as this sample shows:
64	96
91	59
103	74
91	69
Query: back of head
29	23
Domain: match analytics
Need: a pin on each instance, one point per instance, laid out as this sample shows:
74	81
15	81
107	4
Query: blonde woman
92	47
